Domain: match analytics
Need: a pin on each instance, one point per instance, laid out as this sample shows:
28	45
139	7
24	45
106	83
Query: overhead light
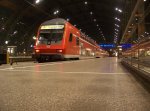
85	2
37	1
117	25
68	19
91	13
31	45
119	10
116	29
117	19
94	20
56	12
3	28
15	32
136	19
6	42
147	33
34	37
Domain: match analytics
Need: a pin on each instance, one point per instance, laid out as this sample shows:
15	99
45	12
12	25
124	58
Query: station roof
21	18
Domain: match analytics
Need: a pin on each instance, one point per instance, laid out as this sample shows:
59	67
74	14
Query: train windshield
50	37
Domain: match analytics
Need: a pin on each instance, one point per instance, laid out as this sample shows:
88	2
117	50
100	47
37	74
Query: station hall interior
74	55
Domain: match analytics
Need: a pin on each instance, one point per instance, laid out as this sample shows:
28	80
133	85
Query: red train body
58	39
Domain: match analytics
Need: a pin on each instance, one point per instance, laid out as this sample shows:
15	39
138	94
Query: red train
58	39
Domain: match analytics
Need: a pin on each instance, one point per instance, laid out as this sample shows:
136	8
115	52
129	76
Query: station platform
101	84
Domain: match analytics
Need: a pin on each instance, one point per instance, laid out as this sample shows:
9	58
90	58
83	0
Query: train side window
77	41
70	38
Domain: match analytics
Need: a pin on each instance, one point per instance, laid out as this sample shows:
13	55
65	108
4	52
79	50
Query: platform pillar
7	58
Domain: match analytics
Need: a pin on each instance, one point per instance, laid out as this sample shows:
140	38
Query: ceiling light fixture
85	2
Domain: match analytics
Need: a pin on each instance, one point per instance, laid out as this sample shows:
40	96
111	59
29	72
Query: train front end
50	41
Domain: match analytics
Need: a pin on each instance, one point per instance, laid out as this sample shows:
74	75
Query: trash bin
4	58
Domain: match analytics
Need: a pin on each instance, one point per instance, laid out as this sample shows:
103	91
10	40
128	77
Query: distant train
58	39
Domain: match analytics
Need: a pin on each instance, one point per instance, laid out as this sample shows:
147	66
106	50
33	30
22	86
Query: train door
80	50
70	45
78	46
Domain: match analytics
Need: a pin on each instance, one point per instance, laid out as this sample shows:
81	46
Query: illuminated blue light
108	46
126	46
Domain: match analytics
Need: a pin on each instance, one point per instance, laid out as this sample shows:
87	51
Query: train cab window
51	37
77	41
70	38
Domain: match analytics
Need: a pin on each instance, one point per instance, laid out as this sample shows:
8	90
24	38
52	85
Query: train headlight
37	51
60	51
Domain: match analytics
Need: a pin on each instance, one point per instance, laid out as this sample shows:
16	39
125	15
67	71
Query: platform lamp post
6	45
7	53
